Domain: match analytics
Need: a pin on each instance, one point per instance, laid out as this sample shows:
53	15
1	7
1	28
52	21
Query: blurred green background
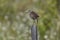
15	22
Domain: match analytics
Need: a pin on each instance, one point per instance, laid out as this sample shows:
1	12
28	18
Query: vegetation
15	22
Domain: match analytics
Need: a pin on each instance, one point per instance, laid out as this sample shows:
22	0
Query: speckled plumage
33	15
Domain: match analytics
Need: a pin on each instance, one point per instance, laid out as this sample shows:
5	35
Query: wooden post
34	32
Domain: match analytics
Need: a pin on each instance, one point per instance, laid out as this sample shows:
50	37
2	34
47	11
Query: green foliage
45	8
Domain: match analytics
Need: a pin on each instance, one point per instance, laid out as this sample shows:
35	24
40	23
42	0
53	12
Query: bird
34	16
